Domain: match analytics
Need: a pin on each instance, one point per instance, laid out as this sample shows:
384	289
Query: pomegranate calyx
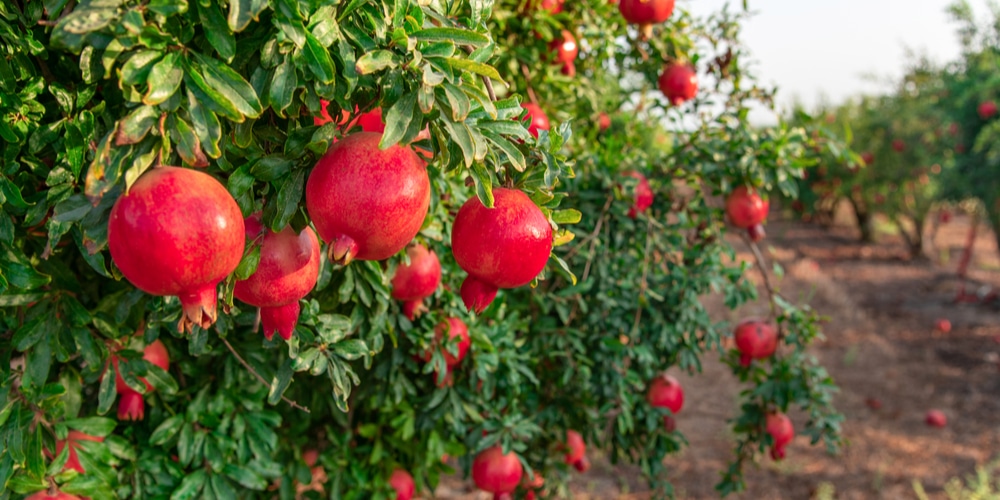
413	308
477	295
342	250
199	308
131	407
281	319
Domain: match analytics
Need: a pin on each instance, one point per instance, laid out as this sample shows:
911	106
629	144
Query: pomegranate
552	6
324	115
566	50
943	325
310	457
666	392
582	465
495	472
72	438
898	145
936	418
447	381
402	482
868	158
944	217
577	449
503	247
646	13
987	110
287	272
177	232
746	208
455	328
131	405
603	121
416	281
51	495
643	194
537	119
779	426
367	203
679	83
755	339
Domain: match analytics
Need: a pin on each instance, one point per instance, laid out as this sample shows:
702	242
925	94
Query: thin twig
593	234
486	81
527	84
645	274
246	365
767	282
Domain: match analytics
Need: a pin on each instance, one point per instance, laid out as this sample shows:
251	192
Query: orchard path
880	345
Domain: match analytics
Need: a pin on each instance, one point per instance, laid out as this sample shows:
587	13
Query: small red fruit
566	50
746	208
131	405
553	6
666	392
779	426
873	403
944	216
582	465
643	194
367	203
310	457
501	247
177	232
287	272
943	325
455	328
537	119
936	418
868	158
56	495
987	110
402	482
577	448
755	339
679	83
603	121
495	472
72	439
415	282
898	145
645	13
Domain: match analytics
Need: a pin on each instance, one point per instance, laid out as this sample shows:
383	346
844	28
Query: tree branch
253	372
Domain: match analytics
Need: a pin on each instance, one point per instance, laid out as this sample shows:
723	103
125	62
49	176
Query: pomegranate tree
646	13
678	82
666	392
779	426
177	232
417	280
402	482
496	472
755	339
367	203
130	404
287	272
501	247
643	194
536	118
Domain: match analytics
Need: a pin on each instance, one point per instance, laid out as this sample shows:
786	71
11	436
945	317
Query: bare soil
881	344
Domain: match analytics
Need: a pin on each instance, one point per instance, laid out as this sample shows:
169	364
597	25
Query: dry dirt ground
880	344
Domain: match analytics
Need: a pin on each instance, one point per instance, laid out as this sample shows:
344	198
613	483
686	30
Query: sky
829	49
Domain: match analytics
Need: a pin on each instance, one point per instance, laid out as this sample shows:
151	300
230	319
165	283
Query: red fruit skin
646	12
643	194
756	233
310	457
746	208
177	232
936	418
324	115
582	465
58	495
665	392
72	438
779	426
873	403
603	121
868	158
414	282
679	83
131	406
494	472
943	325
402	482
367	203
536	118
503	247
565	48
987	110
456	328
553	6
898	145
372	121
287	272
944	217
577	448
755	339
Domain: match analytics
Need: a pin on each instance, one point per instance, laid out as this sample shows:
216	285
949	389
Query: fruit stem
281	319
199	307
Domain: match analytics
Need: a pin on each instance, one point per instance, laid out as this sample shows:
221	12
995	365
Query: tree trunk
914	242
865	222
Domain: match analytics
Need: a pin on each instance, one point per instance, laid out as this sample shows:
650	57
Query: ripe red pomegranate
536	118
287	272
372	121
367	203
646	13
582	465
415	282
643	194
131	405
678	82
51	495
310	457
944	217
577	449
566	50
402	482
603	121
987	110
943	325
666	392
503	247
755	339
455	328
898	145
936	418
495	472
553	6
72	439
779	426
177	232
746	208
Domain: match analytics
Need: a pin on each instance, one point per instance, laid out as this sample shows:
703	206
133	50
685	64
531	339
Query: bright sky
828	49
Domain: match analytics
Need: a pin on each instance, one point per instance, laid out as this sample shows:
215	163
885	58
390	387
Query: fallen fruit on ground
936	418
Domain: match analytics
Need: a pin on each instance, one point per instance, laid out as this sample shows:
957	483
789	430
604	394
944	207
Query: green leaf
462	135
456	35
217	30
397	120
160	379
245	477
514	155
248	264
215	102
168	8
206	126
458	101
134	127
375	61
282	379
287	201
191	486
85	19
230	85
136	69
106	396
568	216
166	430
95	426
351	349
241	12
188	145
319	60
164	79
283	85
475	67
484	184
